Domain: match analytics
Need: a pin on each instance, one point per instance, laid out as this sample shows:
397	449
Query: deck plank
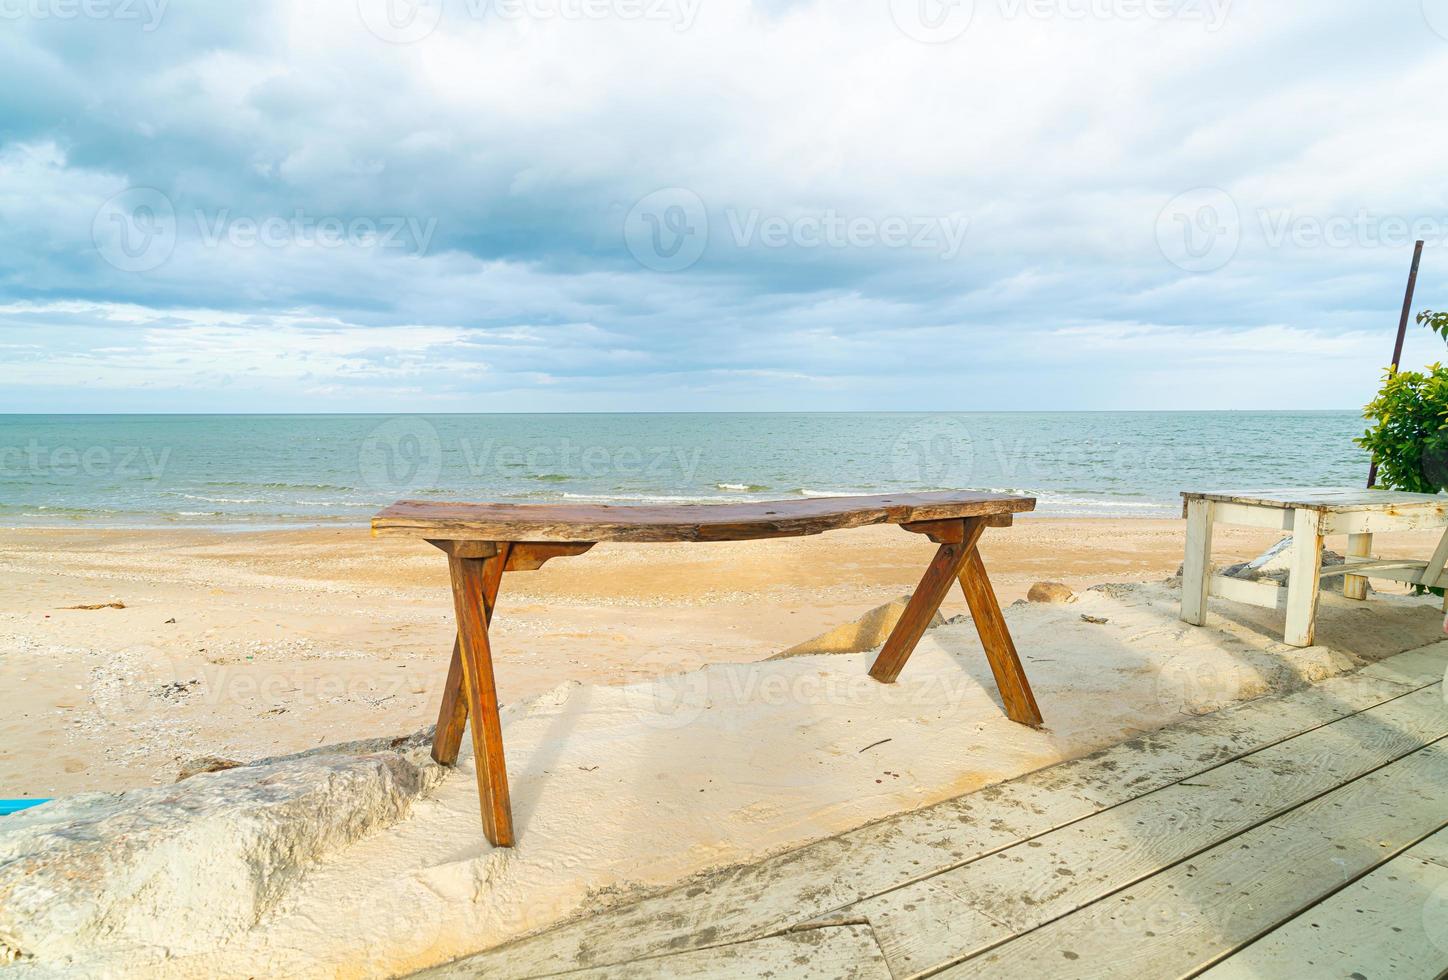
844	952
1200	911
1392	922
774	894
1422	666
944	918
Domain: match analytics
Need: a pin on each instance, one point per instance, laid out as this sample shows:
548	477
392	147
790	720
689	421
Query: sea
263	471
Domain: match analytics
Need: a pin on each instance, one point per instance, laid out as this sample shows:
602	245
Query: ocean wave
742	487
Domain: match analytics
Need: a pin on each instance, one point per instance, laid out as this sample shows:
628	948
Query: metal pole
1402	333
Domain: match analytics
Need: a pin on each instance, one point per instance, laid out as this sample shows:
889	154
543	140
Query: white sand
618	791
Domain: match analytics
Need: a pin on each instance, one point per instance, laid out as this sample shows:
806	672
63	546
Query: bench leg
995	637
452	715
924	602
1196	568
469	583
1303	578
1358	546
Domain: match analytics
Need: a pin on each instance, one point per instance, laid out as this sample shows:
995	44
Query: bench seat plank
685	522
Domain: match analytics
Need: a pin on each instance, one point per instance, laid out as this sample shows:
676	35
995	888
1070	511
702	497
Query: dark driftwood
691	522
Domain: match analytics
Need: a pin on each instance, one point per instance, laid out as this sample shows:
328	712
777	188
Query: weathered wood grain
452	713
528	556
469	580
947	917
925	601
1197	567
830	953
1392	922
835	873
1304	568
1324	499
683	522
1200	911
995	638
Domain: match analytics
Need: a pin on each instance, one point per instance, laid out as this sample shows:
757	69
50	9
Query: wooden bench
482	541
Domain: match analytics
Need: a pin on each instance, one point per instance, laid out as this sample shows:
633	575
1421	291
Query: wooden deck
1297	836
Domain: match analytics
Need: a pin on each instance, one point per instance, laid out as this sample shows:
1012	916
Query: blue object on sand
15	806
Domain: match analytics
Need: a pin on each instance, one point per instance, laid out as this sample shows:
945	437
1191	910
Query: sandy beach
249	644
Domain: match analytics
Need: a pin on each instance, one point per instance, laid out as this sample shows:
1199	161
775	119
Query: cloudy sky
553	205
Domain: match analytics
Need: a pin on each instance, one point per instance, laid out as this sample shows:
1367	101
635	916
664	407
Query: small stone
1098	620
1050	592
205	763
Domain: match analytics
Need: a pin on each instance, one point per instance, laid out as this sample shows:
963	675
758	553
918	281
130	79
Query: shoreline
244	646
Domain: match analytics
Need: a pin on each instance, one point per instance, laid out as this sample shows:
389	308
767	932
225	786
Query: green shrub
1409	436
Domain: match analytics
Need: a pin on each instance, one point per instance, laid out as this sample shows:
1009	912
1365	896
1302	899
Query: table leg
1303	578
995	637
469	582
452	715
960	561
924	602
1358	546
1197	566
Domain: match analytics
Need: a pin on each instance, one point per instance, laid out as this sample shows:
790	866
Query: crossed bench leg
477	572
477	569
959	559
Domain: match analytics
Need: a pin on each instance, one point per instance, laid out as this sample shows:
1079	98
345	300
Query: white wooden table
1309	515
